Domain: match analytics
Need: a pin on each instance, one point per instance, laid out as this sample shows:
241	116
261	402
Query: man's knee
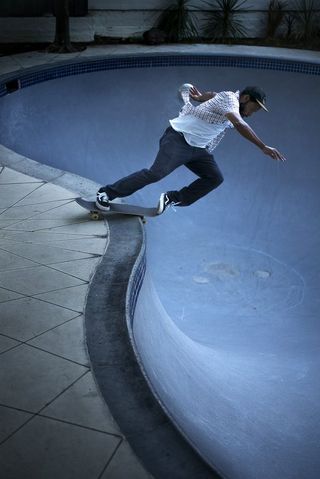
216	180
220	179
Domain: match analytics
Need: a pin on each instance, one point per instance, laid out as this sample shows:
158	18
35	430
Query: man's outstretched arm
247	132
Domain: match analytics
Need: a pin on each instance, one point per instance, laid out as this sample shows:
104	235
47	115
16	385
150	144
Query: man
190	140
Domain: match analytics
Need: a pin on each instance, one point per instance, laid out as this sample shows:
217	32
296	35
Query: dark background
38	8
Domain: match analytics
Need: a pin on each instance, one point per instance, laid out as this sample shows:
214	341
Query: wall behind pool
128	18
114	130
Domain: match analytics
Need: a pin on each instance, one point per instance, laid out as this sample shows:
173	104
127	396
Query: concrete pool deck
64	417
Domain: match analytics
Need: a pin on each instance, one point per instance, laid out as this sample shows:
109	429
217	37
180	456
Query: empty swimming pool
227	320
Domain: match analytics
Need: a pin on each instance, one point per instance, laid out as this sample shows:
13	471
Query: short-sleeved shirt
204	125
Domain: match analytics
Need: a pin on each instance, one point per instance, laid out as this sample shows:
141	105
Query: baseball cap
257	94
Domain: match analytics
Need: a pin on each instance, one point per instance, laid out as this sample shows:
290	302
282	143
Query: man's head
252	99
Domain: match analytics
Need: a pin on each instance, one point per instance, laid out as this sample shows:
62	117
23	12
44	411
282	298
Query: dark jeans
174	152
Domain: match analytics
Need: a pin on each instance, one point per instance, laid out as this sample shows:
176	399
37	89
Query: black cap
257	94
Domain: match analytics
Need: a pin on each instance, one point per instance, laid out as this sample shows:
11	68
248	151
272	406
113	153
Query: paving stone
9	261
11	194
83	404
11	420
44	254
30	378
7	295
48	449
40	279
125	465
24	212
45	193
82	268
6	344
9	176
25	318
72	298
66	341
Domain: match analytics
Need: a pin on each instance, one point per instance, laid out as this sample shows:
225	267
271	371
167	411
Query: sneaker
102	201
166	202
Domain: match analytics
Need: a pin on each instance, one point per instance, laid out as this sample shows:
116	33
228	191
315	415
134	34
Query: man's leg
173	152
210	175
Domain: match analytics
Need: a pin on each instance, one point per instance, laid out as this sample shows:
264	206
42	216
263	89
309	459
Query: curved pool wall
226	323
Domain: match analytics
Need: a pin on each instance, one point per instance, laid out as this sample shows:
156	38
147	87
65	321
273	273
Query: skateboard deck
120	208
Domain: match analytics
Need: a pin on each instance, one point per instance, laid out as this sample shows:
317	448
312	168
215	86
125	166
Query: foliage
178	22
224	22
289	25
276	16
306	21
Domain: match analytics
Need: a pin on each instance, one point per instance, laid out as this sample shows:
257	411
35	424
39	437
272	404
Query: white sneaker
165	202
102	201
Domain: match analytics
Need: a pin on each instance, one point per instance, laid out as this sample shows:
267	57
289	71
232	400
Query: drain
13	85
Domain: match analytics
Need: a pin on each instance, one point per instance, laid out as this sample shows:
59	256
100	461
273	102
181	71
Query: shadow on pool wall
226	322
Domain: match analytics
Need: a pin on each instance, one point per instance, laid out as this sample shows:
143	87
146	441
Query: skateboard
120	208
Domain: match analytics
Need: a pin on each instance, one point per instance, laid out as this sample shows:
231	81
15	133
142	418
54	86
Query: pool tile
45	73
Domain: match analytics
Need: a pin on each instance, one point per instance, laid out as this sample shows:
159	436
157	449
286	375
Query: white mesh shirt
205	125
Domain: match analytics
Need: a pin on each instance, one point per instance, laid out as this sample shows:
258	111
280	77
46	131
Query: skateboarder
190	140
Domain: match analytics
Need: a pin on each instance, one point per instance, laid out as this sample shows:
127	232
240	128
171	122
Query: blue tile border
135	284
44	73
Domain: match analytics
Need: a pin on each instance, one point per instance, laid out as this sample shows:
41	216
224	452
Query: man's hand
273	153
196	95
247	132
